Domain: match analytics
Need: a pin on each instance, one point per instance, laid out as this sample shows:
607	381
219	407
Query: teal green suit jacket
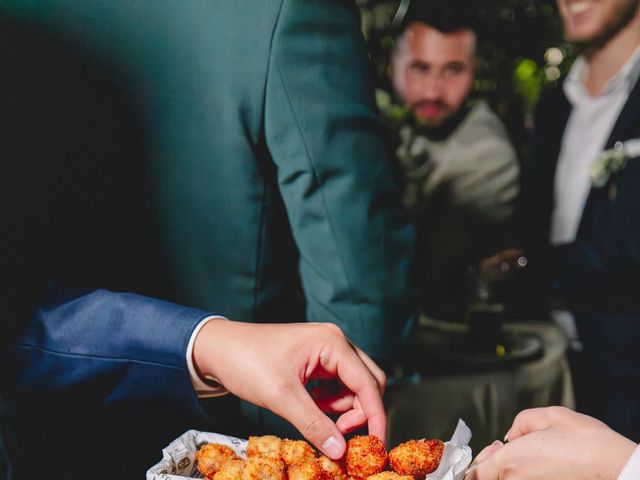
272	200
272	191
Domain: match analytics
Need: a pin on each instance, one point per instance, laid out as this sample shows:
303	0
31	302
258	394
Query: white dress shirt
204	387
631	470
585	136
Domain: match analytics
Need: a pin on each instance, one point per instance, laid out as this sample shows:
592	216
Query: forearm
77	338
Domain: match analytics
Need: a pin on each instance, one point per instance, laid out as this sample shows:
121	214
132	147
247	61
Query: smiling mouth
578	7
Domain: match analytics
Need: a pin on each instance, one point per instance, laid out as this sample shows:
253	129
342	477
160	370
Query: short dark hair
444	15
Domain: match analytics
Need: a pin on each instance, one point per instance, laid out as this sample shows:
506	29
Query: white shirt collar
625	78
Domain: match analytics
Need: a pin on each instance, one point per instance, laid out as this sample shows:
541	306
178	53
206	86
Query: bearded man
459	171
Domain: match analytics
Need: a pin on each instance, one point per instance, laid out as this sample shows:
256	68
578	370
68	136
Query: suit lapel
625	128
628	119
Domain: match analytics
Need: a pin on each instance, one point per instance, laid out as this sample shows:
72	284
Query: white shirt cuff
204	387
631	470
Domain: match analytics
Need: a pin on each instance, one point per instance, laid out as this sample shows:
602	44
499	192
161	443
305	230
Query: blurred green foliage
521	52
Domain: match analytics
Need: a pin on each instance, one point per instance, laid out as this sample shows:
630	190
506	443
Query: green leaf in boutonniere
611	162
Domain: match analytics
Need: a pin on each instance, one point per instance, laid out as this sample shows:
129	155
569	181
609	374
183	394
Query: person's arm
139	343
482	173
328	144
606	266
555	442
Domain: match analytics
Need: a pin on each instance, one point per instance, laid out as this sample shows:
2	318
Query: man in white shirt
581	207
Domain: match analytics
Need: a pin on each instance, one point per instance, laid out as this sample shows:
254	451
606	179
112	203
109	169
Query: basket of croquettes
219	457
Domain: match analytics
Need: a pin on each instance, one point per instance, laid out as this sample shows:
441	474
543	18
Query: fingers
330	401
500	257
357	377
487	470
488	451
298	407
376	371
352	420
531	420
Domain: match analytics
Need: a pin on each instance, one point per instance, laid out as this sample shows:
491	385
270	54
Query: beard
430	121
612	26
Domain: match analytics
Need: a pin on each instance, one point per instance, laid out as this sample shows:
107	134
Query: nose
433	86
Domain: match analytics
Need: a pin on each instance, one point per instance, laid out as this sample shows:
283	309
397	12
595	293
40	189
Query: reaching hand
269	365
554	442
499	266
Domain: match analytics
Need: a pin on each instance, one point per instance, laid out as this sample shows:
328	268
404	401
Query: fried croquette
264	446
231	470
416	458
212	456
389	476
263	468
296	451
333	469
309	470
365	456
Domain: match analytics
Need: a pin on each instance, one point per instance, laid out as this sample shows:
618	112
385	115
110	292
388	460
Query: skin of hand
500	265
554	442
270	364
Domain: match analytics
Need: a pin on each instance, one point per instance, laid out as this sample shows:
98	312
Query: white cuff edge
205	388
631	470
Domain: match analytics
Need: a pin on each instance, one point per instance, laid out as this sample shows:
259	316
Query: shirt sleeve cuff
204	387
631	470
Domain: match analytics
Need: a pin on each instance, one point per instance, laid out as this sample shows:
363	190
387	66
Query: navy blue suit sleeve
604	260
589	266
133	346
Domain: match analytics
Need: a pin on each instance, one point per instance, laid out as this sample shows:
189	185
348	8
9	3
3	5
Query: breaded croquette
263	468
389	476
296	451
416	457
211	457
365	456
309	470
264	446
231	470
334	470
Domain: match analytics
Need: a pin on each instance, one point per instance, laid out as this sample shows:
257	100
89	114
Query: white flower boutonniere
610	162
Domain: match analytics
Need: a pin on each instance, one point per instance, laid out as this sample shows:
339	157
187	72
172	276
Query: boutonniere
611	162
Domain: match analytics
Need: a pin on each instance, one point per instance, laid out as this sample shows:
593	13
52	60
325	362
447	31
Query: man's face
593	22
433	72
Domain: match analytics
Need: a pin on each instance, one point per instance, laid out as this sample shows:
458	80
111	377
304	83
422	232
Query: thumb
299	408
489	469
488	451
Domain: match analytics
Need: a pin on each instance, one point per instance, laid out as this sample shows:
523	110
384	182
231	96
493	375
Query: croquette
416	458
366	456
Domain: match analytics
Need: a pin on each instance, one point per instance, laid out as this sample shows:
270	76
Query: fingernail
497	443
332	447
471	473
506	438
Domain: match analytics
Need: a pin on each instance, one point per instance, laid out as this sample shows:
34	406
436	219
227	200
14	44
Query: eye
455	69
419	67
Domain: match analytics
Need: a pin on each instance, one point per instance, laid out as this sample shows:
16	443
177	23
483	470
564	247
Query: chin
430	121
583	35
